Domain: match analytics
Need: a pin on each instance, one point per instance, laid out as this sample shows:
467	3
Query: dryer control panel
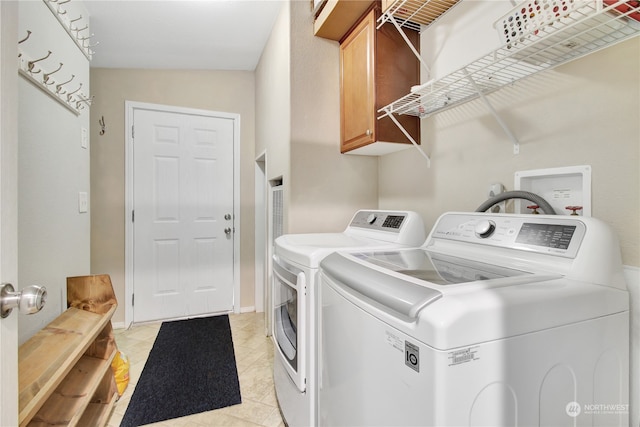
379	220
399	227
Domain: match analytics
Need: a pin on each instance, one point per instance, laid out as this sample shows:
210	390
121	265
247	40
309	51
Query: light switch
83	202
84	138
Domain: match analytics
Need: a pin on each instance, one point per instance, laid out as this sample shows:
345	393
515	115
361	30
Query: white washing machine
497	320
295	269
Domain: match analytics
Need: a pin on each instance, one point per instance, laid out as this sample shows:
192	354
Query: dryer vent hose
526	195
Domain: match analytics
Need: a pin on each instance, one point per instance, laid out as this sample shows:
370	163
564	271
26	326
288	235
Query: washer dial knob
371	218
485	228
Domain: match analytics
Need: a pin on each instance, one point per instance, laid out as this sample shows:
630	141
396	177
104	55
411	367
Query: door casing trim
130	107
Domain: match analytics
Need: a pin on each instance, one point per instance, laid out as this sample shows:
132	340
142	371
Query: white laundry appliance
497	320
295	269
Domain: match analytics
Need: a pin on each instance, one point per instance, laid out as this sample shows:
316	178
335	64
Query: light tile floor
254	358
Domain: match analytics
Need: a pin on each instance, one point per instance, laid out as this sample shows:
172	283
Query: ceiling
180	34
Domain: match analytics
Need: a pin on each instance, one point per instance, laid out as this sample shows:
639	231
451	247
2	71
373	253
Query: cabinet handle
368	132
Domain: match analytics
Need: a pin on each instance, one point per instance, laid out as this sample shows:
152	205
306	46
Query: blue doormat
191	369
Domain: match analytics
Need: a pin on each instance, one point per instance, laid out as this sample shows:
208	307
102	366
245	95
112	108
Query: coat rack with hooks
590	26
53	80
76	26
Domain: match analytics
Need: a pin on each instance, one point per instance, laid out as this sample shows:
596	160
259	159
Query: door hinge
133	133
133	300
133	216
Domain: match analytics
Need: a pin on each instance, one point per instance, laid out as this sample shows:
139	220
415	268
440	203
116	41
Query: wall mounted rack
72	25
591	26
68	94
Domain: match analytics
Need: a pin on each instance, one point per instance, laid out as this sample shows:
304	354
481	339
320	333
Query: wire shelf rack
413	14
585	30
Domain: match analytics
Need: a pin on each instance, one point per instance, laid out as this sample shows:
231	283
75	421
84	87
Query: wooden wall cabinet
376	68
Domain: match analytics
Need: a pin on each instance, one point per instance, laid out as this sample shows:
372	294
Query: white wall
327	187
53	237
273	102
322	188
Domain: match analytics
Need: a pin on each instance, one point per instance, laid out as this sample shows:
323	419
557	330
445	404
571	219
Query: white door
8	209
182	214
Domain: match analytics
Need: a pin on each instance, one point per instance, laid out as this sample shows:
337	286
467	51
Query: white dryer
295	269
497	320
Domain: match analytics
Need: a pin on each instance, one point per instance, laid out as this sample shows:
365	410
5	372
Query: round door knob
28	301
227	231
485	228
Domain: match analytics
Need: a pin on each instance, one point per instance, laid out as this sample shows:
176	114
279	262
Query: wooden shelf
64	370
97	414
69	401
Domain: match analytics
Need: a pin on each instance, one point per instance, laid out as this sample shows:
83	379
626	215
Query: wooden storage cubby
64	370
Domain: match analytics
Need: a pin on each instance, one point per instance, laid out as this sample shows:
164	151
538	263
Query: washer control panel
554	235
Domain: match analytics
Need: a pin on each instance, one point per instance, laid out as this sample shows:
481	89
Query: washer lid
309	249
437	268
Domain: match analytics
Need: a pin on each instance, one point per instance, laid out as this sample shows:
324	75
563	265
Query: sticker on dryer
412	356
458	357
394	341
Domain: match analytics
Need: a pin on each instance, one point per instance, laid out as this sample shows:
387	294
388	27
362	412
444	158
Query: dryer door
289	315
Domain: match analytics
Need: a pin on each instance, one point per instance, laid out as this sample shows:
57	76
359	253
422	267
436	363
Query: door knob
227	217
29	300
227	231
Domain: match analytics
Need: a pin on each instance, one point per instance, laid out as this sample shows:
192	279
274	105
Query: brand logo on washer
412	356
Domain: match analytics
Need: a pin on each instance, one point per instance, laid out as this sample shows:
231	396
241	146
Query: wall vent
277	212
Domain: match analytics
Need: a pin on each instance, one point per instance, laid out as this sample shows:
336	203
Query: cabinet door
357	85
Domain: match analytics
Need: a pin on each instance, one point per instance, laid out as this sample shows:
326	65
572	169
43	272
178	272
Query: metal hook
71	21
59	85
31	64
102	125
26	38
81	100
83	39
78	30
70	94
45	77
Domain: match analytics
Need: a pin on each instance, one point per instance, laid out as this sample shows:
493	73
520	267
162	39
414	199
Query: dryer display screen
393	221
548	235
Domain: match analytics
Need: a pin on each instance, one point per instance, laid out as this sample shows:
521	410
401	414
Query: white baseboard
249	309
118	325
